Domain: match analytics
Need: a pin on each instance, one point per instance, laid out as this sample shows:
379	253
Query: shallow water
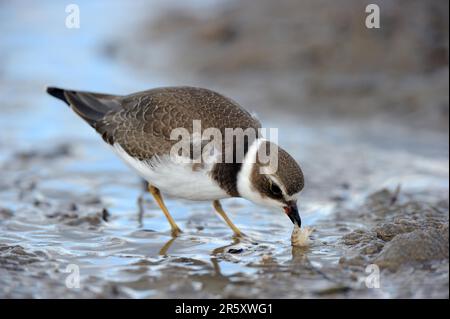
65	199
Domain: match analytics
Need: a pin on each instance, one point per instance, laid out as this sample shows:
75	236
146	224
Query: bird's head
269	176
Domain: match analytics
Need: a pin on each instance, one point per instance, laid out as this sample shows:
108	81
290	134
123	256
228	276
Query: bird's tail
91	107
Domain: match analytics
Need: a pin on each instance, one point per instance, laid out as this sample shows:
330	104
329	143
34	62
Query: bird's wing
145	121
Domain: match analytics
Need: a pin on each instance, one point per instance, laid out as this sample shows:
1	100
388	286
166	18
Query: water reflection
165	248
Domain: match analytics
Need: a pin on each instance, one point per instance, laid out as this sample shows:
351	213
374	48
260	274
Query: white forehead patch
293	197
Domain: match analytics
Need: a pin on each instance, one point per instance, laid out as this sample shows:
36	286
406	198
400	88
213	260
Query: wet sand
69	206
376	191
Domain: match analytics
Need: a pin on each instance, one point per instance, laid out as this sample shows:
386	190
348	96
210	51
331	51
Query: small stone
417	246
235	250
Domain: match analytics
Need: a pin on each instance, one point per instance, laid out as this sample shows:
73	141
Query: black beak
293	215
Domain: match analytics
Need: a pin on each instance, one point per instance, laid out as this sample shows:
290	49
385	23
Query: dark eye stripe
275	190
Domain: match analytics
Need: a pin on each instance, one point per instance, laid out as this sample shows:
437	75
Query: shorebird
138	127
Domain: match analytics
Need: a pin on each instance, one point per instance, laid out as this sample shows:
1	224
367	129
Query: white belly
176	179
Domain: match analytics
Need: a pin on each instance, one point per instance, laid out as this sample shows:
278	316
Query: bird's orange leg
221	212
157	195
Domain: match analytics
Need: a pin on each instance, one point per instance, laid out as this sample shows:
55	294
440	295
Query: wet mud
75	222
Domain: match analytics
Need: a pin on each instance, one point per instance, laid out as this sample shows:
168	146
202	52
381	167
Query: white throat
244	183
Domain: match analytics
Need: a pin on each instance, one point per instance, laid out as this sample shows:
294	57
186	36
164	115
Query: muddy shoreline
369	128
399	229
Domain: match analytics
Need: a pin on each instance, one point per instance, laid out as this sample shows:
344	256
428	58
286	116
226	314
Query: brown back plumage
141	123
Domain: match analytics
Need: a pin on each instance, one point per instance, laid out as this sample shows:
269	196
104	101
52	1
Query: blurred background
365	112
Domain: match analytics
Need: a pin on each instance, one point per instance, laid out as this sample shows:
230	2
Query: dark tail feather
58	93
92	107
83	109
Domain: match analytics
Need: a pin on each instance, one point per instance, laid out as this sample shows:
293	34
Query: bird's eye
275	189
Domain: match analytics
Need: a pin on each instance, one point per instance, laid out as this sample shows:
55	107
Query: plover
139	127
